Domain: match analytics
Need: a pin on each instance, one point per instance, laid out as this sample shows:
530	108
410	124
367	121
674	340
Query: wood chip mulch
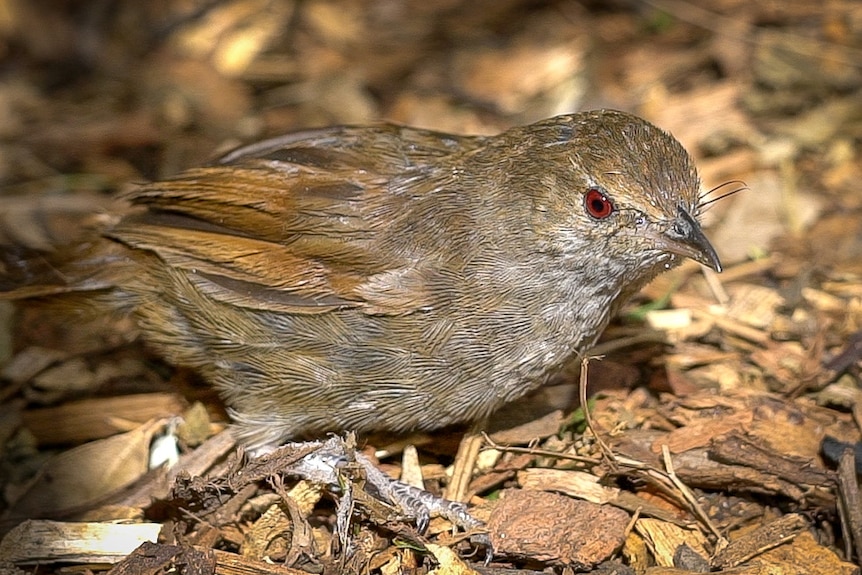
724	422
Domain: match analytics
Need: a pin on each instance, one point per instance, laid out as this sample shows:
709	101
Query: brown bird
369	278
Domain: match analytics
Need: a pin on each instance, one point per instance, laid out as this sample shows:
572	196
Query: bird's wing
293	224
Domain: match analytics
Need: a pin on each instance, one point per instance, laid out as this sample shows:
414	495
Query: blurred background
100	93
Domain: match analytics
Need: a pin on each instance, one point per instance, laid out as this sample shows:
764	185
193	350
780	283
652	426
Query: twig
689	497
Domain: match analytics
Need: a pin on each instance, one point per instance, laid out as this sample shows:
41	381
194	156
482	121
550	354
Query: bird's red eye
598	204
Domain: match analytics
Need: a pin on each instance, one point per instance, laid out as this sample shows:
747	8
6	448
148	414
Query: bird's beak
686	238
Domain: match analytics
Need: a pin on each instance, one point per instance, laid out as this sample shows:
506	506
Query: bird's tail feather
52	244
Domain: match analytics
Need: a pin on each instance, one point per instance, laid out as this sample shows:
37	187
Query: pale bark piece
665	538
577	484
40	542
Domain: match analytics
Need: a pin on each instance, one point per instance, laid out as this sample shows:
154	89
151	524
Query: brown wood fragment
803	555
697	469
756	542
301	542
269	536
851	501
153	559
78	421
736	448
700	433
502	472
86	476
232	564
555	529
